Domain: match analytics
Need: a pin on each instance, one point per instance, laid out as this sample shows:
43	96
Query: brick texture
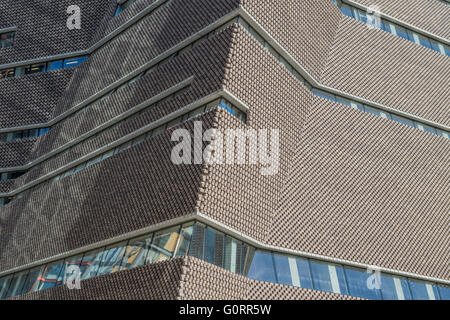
42	30
431	16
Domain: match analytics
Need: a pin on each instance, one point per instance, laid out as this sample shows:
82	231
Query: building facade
93	205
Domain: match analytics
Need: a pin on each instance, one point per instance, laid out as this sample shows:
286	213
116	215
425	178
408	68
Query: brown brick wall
305	29
368	190
381	67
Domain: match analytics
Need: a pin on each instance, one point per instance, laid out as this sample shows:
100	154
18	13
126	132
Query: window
52	276
73	62
425	42
7	73
293	271
123	6
262	267
347	10
358	285
7	39
394	288
403	120
328	277
55	65
423	291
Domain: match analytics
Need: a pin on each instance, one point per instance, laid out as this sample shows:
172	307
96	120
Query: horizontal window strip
170	124
336	98
393	28
23	134
42	67
197	239
73	61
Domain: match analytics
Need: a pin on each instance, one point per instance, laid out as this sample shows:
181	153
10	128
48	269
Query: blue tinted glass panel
447	50
388	289
91	263
227	107
4	286
209	246
184	240
16	285
403	120
283	270
262	267
385	26
55	65
321	276
324	95
163	245
136	253
444	292
425	42
51	276
347	10
341	279
305	273
401	32
111	259
68	63
418	290
358	284
32	281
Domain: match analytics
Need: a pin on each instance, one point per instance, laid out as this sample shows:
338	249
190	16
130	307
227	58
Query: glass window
447	50
403	120
358	285
111	259
425	42
328	277
51	276
91	263
293	271
20	71
394	288
324	94
426	128
444	292
73	62
8	73
262	267
55	65
442	133
136	252
421	290
198	241
347	10
386	26
32	282
184	240
16	284
163	245
4	286
401	32
7	39
35	68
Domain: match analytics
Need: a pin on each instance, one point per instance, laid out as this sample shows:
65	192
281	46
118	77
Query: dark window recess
123	6
7	39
